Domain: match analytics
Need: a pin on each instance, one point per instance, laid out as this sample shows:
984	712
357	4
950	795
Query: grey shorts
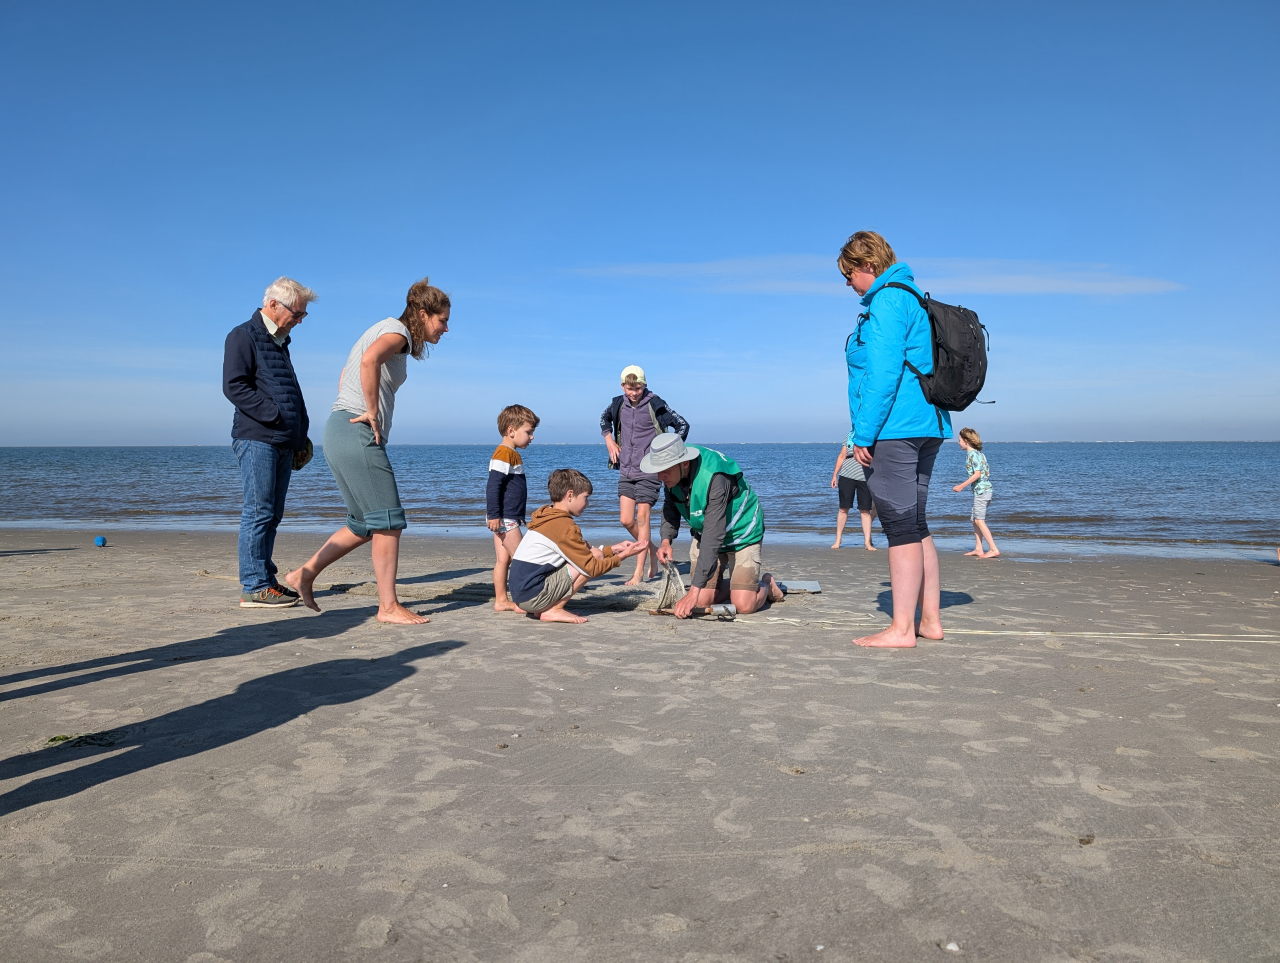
980	503
557	588
644	491
363	473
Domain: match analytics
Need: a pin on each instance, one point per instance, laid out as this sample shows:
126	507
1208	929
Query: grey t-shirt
394	371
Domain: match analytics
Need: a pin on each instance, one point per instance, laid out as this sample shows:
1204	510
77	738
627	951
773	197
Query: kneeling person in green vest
707	490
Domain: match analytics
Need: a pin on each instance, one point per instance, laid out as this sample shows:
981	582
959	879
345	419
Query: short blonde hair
868	251
971	438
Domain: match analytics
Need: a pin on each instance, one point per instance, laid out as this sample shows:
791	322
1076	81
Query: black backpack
960	345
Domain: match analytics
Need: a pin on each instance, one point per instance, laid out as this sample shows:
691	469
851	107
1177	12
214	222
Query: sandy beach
1085	769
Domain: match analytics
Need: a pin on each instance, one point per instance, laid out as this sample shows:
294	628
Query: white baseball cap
633	374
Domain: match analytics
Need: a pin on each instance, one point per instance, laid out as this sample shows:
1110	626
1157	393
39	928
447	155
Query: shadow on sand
237	640
884	601
254	707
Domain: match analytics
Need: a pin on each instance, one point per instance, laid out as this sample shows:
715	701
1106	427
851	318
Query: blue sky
664	184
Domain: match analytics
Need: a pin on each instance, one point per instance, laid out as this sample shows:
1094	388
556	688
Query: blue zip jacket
885	400
258	378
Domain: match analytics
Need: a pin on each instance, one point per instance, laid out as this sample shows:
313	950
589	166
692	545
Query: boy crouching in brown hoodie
553	561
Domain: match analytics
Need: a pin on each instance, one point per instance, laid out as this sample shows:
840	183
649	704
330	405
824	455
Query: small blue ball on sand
100	541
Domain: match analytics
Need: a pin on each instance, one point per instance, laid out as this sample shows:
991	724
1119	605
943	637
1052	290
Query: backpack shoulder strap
910	290
615	411
653	415
924	303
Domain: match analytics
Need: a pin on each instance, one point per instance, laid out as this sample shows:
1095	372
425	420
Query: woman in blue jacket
896	432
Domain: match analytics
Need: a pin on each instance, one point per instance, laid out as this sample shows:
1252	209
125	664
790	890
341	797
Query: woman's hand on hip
369	418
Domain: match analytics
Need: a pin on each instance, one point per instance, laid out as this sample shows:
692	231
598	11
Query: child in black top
506	494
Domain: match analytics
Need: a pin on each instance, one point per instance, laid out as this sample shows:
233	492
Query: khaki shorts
557	588
741	569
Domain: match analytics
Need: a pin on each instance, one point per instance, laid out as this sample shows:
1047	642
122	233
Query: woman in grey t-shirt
355	440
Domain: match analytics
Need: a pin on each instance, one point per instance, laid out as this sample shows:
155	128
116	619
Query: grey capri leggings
899	479
363	473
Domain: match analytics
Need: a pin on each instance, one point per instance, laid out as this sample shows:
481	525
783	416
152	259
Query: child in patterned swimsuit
980	479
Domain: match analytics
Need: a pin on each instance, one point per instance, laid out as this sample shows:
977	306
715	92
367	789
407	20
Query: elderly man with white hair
268	432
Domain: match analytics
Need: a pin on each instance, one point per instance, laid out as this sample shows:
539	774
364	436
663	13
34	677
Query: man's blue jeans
265	470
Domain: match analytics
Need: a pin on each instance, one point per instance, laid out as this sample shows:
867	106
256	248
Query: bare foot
506	606
870	548
888	639
638	578
995	554
976	553
775	590
401	616
930	630
835	545
561	615
302	586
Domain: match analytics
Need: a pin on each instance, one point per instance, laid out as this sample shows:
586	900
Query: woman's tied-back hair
971	438
430	299
565	480
290	292
513	416
867	251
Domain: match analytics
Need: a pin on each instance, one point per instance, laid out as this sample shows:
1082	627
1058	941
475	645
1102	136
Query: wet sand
1084	769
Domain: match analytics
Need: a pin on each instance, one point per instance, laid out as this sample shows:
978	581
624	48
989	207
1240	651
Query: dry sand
1086	769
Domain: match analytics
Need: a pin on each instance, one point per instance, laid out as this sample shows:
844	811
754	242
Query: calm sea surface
1207	499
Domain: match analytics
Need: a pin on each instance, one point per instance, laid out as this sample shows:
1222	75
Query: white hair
290	292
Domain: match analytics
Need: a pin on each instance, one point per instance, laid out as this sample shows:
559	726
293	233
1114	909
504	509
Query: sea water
1219	499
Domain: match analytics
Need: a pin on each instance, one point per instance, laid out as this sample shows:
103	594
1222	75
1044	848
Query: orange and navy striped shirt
507	492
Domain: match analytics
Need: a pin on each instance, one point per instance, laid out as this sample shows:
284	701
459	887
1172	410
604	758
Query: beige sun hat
667	450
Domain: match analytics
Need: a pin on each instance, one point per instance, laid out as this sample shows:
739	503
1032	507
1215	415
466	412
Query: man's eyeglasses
297	315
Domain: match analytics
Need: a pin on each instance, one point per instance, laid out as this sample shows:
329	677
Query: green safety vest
745	524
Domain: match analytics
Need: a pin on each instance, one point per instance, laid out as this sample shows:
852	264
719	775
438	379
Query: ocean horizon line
821	441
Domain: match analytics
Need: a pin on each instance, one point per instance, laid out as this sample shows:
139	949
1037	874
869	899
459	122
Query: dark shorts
899	479
849	487
640	490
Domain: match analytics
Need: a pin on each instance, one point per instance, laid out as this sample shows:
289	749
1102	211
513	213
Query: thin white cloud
801	274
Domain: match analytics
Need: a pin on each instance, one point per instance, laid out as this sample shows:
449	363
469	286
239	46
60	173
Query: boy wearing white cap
707	489
629	425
